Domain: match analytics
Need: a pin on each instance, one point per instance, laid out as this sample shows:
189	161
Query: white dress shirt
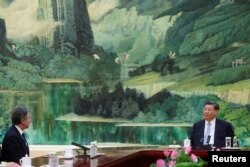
19	130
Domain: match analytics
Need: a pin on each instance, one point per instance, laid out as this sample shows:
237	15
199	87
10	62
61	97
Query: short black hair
18	114
214	104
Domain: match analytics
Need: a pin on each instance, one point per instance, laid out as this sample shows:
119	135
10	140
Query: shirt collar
211	122
19	129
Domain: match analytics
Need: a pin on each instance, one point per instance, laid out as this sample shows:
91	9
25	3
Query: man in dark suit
211	131
14	145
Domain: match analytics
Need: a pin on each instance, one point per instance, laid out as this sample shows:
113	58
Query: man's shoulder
221	121
199	122
11	131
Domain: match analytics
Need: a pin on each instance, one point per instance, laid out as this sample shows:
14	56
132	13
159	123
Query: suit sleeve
230	130
192	137
12	146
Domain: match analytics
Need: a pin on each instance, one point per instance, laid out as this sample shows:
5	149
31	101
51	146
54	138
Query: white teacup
25	161
94	162
68	153
68	163
53	160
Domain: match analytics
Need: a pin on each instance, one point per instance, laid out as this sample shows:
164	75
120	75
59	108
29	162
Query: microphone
208	139
82	147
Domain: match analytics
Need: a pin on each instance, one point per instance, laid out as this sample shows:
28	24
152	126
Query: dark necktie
24	138
25	141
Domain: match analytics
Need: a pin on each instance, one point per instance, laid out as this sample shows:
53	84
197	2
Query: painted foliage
126	71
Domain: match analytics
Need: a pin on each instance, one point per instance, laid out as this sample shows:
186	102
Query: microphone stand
207	146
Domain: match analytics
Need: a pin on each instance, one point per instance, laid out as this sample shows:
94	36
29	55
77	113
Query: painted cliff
72	32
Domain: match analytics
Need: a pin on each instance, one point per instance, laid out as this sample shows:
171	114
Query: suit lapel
216	131
202	129
22	140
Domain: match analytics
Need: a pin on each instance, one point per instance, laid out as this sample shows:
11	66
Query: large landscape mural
124	71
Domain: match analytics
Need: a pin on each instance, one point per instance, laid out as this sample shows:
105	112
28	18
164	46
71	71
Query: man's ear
22	120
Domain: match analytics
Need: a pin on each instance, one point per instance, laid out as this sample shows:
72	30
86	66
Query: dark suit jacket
14	146
223	129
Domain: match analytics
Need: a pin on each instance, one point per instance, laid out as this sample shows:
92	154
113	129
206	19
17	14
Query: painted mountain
126	61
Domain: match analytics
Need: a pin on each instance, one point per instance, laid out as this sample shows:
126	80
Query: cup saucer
68	156
48	166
